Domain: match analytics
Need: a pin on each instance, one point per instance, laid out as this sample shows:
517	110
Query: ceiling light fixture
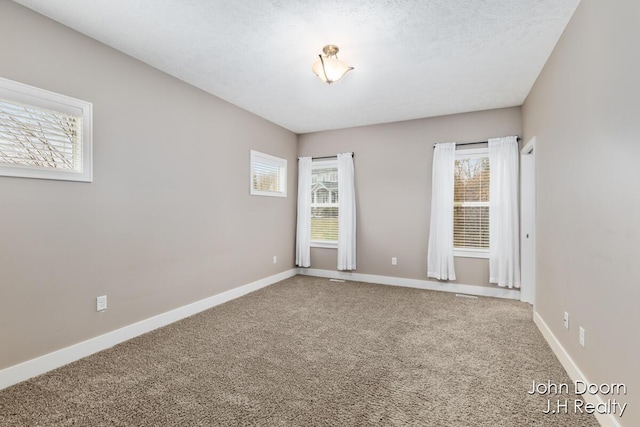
329	68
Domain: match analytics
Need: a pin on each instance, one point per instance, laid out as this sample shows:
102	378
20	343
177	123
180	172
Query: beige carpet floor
310	352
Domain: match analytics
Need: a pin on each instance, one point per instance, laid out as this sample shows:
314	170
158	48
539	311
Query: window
471	204
268	175
324	203
44	134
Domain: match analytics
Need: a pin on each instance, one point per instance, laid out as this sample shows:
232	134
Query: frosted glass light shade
328	67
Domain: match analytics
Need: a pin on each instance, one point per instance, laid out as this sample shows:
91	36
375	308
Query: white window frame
12	91
472	153
324	164
272	161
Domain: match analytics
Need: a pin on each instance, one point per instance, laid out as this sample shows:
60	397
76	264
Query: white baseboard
31	368
484	291
573	370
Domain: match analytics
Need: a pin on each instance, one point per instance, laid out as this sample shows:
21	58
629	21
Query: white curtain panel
504	240
346	213
303	228
440	255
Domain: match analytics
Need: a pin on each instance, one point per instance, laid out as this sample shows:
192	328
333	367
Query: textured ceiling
412	58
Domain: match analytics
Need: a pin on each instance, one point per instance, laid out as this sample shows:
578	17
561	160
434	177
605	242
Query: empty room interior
335	213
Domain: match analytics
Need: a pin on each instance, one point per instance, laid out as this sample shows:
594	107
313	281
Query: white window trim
472	153
322	164
328	244
277	161
470	253
30	95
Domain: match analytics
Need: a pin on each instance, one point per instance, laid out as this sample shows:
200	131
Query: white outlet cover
101	303
582	338
566	320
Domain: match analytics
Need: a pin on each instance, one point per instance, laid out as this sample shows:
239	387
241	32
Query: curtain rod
328	157
471	143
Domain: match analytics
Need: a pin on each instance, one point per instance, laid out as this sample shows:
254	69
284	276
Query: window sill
471	253
268	193
324	244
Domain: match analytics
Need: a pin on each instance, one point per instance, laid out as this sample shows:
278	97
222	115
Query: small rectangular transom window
471	203
268	175
44	134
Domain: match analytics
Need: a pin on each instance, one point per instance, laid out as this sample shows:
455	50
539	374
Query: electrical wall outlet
275	259
394	261
566	320
101	303
582	343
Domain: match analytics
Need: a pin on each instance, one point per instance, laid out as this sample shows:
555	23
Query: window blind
39	138
324	204
268	175
471	203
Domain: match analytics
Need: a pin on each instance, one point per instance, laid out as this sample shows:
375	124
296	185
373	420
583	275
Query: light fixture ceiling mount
329	68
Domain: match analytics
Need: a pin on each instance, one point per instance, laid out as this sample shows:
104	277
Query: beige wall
168	219
585	114
393	188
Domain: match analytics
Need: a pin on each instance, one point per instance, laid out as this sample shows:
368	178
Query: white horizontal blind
324	202
268	175
39	138
471	202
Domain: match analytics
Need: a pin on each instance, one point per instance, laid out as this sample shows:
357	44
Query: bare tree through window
471	203
40	138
